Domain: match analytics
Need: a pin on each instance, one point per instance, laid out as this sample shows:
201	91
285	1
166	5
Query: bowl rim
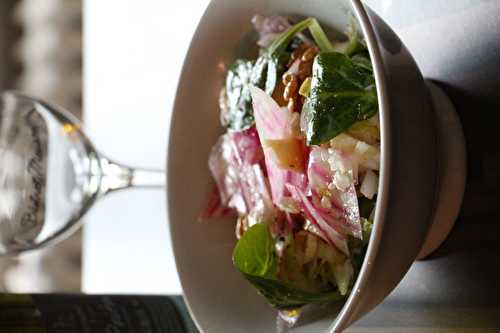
347	313
348	310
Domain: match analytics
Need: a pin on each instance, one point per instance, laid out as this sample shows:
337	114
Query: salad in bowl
298	164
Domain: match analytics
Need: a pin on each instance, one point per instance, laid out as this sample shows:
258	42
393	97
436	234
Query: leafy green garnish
354	43
357	257
265	72
363	61
254	253
320	37
273	62
239	114
283	296
255	257
279	44
366	226
342	92
358	247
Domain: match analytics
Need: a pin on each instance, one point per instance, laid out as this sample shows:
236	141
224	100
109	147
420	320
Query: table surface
132	64
129	88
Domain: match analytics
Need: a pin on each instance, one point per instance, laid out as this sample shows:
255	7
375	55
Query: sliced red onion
318	171
222	170
269	28
270	24
275	123
278	179
319	174
333	190
247	146
241	184
328	233
254	189
215	208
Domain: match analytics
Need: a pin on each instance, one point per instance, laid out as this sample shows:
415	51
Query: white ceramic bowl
409	199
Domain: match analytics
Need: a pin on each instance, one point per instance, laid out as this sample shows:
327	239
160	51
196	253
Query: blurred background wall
10	32
41	54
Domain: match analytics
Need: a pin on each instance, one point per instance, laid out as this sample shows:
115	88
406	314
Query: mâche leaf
254	253
254	256
283	296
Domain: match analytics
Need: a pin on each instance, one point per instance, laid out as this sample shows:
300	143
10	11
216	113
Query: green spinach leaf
254	256
283	296
272	63
239	113
264	73
342	92
363	61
